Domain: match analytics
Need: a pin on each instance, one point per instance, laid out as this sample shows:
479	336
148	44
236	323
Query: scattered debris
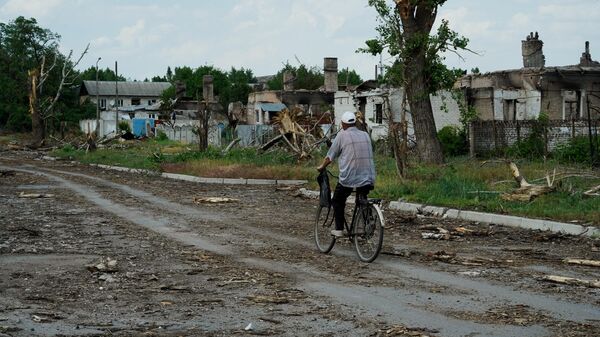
270	320
402	331
106	265
572	281
470	273
591	263
248	327
526	191
173	287
442	234
213	200
106	278
35	195
7	173
268	299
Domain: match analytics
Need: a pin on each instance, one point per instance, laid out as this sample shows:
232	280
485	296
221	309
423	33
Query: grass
461	183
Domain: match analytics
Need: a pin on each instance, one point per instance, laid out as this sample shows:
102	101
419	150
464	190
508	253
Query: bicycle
365	230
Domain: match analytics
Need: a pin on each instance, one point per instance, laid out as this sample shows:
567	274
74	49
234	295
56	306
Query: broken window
510	109
102	103
257	116
378	113
136	101
572	104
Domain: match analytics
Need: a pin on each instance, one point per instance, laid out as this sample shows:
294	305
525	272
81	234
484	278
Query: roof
273	107
135	89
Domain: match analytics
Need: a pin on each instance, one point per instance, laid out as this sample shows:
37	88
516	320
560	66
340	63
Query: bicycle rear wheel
323	225
368	232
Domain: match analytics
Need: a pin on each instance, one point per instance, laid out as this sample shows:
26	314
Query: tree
405	31
103	75
350	77
304	77
34	74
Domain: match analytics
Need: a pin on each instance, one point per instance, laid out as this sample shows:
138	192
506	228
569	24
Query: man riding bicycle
354	151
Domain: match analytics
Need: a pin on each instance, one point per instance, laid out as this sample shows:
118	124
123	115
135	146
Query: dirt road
101	253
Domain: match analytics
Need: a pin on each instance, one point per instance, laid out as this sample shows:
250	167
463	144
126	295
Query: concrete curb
490	218
203	180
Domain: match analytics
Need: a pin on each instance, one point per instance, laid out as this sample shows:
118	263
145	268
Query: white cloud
30	8
140	36
100	41
464	22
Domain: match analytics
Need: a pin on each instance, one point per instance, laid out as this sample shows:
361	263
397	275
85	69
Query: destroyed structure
561	92
508	101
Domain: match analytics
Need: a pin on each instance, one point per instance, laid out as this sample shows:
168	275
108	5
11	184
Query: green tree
34	74
304	77
103	75
405	31
349	76
238	85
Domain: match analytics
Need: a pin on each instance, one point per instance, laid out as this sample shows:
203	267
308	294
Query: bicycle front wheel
368	232
323	225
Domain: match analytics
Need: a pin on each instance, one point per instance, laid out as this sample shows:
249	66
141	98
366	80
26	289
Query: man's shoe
337	233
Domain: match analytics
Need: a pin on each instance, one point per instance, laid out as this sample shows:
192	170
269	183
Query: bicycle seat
375	201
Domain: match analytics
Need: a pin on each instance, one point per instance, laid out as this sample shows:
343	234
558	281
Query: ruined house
561	92
377	104
508	102
264	105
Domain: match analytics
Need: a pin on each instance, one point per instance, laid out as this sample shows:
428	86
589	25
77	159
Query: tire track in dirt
391	303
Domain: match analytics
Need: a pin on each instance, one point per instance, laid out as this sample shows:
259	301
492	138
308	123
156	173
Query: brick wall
488	136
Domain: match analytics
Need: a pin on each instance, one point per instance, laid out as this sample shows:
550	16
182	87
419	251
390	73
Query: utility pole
97	103
116	99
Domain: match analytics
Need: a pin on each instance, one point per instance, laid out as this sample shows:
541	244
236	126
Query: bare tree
42	107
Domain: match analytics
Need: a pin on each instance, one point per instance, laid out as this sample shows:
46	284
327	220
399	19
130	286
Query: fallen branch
592	192
526	191
591	263
572	281
232	144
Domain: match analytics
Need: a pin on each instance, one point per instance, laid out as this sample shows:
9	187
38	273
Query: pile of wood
300	133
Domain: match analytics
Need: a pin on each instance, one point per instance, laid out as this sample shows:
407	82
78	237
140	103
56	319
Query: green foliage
350	77
576	151
106	74
23	46
124	126
534	146
305	78
19	119
454	141
161	136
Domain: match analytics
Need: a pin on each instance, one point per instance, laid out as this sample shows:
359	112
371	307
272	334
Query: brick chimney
533	55
179	89
207	88
288	81
586	57
330	70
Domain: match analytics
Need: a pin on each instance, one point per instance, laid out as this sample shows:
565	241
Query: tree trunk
37	121
203	113
417	20
428	145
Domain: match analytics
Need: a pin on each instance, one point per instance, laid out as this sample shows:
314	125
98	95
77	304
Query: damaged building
507	101
264	105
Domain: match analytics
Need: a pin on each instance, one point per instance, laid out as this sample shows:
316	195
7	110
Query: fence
185	134
487	136
251	135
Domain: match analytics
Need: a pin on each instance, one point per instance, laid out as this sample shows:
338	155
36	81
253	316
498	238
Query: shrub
454	141
124	126
161	135
577	150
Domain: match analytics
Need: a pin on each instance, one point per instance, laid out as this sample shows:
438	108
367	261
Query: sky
146	36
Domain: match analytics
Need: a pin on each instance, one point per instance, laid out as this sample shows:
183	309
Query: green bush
534	146
577	150
161	136
124	126
454	141
19	119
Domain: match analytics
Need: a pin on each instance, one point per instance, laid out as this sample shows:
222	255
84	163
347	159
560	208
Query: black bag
325	190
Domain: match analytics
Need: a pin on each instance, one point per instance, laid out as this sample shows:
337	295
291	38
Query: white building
130	93
379	104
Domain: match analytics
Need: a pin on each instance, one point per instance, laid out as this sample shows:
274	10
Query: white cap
348	117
